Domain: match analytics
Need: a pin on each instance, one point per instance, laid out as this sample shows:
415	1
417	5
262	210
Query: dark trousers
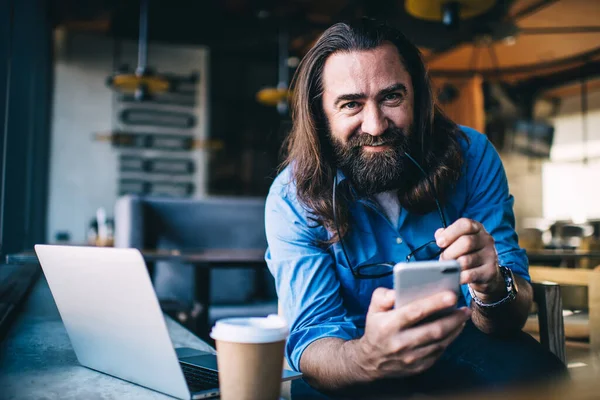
474	360
477	360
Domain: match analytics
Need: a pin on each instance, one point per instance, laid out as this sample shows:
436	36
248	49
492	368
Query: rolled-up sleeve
490	203
305	276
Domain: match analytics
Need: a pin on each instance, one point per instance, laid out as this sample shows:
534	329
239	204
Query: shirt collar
359	199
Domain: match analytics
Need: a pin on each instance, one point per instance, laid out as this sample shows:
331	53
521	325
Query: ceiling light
510	40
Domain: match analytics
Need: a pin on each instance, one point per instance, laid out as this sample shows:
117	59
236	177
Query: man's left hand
467	242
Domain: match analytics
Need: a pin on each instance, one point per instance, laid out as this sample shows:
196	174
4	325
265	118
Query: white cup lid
250	330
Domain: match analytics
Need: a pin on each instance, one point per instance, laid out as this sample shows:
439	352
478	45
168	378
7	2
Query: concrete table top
38	362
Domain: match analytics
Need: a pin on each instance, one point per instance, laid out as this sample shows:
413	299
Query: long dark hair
309	151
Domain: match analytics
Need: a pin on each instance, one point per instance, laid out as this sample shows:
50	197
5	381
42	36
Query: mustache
391	136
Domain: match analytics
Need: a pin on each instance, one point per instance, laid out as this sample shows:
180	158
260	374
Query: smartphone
417	280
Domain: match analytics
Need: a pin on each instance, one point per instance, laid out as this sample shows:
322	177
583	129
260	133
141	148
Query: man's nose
374	121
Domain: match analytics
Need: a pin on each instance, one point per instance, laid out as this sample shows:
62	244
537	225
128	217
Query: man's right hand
394	345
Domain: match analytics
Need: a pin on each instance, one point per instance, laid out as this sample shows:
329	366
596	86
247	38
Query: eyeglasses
428	251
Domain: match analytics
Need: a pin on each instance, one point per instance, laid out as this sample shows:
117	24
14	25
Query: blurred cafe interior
159	125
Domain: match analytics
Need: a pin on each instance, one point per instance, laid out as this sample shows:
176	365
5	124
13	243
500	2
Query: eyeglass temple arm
337	229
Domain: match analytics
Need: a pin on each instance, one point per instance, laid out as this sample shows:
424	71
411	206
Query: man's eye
392	97
351	105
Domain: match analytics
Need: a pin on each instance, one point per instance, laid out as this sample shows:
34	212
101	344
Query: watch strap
511	293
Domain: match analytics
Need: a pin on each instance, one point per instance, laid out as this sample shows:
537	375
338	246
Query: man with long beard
377	174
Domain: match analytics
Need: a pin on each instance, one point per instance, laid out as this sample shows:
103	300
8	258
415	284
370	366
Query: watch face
509	278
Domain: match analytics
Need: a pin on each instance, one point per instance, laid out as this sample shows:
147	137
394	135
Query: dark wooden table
214	257
567	258
202	259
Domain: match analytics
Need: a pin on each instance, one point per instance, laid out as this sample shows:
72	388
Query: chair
531	239
571	235
546	296
580	277
188	224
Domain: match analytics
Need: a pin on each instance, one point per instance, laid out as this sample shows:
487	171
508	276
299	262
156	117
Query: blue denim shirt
317	292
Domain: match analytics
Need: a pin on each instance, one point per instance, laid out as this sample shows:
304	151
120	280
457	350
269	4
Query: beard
379	171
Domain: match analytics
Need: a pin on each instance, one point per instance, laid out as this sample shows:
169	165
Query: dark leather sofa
191	224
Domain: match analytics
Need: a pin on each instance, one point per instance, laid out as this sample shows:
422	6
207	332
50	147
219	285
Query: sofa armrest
129	222
552	330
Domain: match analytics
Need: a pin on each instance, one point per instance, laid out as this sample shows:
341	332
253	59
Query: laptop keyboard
199	379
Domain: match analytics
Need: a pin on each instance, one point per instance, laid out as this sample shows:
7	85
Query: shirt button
399	240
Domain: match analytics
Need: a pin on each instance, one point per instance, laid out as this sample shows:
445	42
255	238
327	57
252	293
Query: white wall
561	188
525	183
83	172
572	188
568	136
571	191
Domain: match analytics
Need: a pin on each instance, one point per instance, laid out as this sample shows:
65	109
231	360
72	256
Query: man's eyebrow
357	96
348	97
396	87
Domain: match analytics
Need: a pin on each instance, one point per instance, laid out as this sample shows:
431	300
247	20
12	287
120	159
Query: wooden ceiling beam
527	11
589	70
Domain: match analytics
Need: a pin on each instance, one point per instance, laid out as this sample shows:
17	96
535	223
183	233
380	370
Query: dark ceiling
247	24
542	36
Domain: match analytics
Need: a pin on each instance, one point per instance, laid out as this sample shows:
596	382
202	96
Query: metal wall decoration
173	166
150	141
174	99
155	122
155	139
153	117
155	187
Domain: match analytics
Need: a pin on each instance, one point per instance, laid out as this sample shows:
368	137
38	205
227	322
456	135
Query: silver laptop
115	324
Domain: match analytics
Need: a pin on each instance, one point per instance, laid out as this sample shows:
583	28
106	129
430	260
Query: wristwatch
511	289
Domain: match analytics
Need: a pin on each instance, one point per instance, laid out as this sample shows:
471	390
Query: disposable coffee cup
250	357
